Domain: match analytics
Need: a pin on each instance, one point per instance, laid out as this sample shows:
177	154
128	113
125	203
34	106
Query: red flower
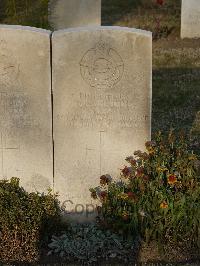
131	195
133	162
138	153
103	195
146	177
126	171
160	2
104	180
139	172
145	156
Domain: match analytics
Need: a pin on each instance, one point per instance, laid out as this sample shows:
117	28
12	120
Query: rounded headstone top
104	28
24	28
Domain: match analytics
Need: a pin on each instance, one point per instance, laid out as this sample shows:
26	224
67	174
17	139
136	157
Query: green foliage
87	243
26	221
158	196
25	12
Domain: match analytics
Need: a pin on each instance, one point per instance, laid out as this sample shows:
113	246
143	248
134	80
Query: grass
106	264
176	94
24	12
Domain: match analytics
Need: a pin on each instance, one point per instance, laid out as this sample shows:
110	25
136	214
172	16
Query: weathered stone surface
102	105
74	13
25	106
190	19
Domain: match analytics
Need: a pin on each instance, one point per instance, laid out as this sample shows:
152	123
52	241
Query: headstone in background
190	19
25	106
74	13
102	105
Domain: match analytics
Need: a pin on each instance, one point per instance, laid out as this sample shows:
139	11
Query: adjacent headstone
74	13
190	19
102	105
25	107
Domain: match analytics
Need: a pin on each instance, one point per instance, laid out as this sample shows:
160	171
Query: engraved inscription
104	111
9	69
102	67
105	100
105	122
14	103
14	110
194	19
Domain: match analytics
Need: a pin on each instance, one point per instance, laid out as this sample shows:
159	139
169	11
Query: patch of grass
142	14
24	12
176	94
119	264
176	98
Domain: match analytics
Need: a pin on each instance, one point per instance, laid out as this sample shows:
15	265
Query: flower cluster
157	189
160	2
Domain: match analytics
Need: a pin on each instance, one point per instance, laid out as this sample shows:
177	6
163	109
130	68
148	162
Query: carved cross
4	148
99	149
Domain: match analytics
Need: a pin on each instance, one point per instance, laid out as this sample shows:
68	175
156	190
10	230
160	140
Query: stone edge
98	28
26	28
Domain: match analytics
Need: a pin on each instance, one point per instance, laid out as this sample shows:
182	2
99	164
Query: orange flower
151	150
164	205
192	157
172	179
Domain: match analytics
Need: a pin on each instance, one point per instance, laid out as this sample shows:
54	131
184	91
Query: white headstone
190	19
102	105
74	13
25	107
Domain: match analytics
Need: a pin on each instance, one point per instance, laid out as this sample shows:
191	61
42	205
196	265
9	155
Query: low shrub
158	195
87	243
26	221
